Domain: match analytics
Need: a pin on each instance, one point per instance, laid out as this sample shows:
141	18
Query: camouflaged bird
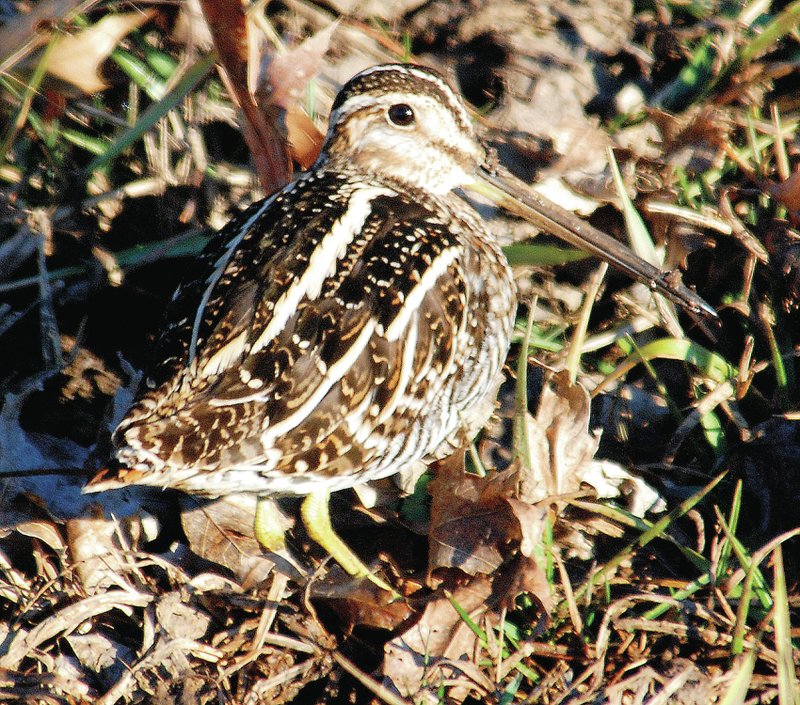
349	326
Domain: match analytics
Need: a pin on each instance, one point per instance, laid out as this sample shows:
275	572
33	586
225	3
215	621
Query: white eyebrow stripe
452	100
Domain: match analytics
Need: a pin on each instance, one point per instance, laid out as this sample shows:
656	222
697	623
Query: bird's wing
255	251
313	350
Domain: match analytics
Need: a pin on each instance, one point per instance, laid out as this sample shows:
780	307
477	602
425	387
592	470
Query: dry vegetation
654	563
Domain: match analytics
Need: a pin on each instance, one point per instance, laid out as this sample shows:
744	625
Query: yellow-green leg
317	520
269	525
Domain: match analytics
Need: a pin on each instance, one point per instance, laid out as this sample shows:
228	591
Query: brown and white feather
352	324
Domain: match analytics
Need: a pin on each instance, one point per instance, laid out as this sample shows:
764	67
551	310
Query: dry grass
665	573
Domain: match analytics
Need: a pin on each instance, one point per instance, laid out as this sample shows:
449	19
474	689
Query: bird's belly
453	414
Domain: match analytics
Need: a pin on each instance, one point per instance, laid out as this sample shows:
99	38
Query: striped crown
404	124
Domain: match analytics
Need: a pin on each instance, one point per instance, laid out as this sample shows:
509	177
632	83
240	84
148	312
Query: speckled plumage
352	324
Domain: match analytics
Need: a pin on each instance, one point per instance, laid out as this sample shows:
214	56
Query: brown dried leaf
531	519
76	58
102	655
692	140
94	546
563	448
560	442
411	659
525	577
470	523
222	531
430	651
271	100
288	73
180	620
305	139
788	192
45	531
283	84
562	452
475	524
360	602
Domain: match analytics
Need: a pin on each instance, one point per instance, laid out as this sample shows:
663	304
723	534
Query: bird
351	325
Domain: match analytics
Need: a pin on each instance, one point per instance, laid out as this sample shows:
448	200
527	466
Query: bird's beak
513	195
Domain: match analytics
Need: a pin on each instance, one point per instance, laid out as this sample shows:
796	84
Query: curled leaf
76	58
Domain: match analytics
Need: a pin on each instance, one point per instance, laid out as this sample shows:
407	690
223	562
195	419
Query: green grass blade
156	111
748	563
140	73
26	99
693	80
737	692
520	431
710	364
788	689
733	523
654	532
542	255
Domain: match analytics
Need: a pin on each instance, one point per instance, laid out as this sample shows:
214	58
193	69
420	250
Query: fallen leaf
287	74
181	620
222	531
788	192
531	519
76	58
283	83
563	449
415	657
561	444
359	602
433	649
470	524
305	139
525	577
692	139
45	531
477	523
611	481
102	655
94	543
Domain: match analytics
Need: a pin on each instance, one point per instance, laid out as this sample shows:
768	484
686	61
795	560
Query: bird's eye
401	115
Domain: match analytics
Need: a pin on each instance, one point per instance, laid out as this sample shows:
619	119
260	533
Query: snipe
350	325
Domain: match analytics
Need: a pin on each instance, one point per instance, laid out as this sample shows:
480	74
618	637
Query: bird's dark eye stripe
401	114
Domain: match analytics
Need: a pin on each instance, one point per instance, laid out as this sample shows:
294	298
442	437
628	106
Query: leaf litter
112	599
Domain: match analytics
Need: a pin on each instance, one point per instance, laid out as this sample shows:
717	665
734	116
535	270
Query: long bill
513	195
